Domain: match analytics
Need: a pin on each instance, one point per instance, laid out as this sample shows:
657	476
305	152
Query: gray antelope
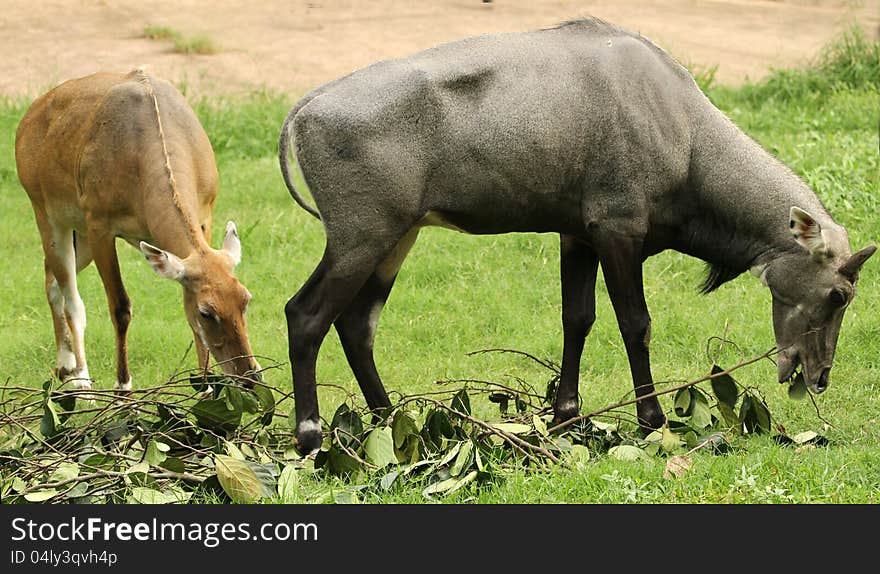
123	155
584	130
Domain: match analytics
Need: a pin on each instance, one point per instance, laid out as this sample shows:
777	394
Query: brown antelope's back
91	148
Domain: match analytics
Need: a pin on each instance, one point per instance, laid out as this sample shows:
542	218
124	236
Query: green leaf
267	474
512	428
754	414
440	486
503	399
797	390
670	440
288	484
379	447
402	427
701	415
173	464
461	402
628	452
577	457
49	423
214	415
40	495
684	400
143	495
65	471
340	463
387	481
464	459
468	478
349	424
438	427
233	450
156	452
730	418
267	403
138	474
237	479
539	425
724	387
450	454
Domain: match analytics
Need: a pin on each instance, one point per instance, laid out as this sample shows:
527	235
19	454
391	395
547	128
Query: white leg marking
126	386
307	426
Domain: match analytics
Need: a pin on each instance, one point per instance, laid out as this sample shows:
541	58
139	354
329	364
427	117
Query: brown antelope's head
214	300
811	289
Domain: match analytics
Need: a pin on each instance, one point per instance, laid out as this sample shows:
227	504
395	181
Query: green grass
458	293
199	44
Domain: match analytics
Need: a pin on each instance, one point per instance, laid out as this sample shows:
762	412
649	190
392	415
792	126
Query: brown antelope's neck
191	239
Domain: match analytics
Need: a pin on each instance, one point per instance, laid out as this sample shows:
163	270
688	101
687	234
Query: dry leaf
677	466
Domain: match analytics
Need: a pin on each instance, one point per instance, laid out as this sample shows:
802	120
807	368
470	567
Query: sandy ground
293	45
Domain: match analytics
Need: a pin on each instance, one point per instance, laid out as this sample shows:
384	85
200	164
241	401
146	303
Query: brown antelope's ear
165	264
232	244
850	269
806	230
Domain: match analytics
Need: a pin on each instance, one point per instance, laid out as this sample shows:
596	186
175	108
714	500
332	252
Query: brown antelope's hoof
308	437
122	389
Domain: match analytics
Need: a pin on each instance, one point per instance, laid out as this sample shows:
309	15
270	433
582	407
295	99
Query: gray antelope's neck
742	196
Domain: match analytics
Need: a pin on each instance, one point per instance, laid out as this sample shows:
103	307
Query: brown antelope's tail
284	157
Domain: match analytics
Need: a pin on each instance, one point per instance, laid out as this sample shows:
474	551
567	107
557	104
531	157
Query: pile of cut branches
203	437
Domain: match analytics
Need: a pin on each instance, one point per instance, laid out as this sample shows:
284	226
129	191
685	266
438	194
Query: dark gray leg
357	324
621	260
578	270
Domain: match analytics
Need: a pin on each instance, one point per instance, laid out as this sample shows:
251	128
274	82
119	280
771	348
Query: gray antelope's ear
806	231
164	263
232	244
851	268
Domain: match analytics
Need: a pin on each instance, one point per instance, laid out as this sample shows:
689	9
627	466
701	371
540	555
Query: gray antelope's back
546	128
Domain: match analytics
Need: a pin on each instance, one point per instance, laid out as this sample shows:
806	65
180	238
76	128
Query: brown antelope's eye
837	297
207	314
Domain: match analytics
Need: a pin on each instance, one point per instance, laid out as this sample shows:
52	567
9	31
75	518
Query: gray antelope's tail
284	158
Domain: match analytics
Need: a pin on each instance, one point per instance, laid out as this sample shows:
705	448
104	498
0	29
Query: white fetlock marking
125	387
66	362
82	385
307	426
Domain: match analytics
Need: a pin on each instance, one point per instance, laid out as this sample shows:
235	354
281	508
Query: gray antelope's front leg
578	269
621	259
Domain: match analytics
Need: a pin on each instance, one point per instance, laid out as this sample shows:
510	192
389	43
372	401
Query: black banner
167	539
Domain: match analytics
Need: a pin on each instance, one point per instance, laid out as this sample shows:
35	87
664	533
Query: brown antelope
123	155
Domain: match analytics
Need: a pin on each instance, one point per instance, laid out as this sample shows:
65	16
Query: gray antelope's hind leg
357	324
333	285
621	260
578	269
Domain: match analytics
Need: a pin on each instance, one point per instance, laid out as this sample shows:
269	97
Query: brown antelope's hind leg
578	270
356	325
621	260
68	310
103	247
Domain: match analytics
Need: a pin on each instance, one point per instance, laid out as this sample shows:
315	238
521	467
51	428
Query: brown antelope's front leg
578	270
103	247
621	260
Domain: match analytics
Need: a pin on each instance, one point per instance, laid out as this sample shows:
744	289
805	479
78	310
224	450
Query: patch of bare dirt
292	45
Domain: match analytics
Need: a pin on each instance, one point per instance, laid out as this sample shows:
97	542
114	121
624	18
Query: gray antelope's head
811	289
